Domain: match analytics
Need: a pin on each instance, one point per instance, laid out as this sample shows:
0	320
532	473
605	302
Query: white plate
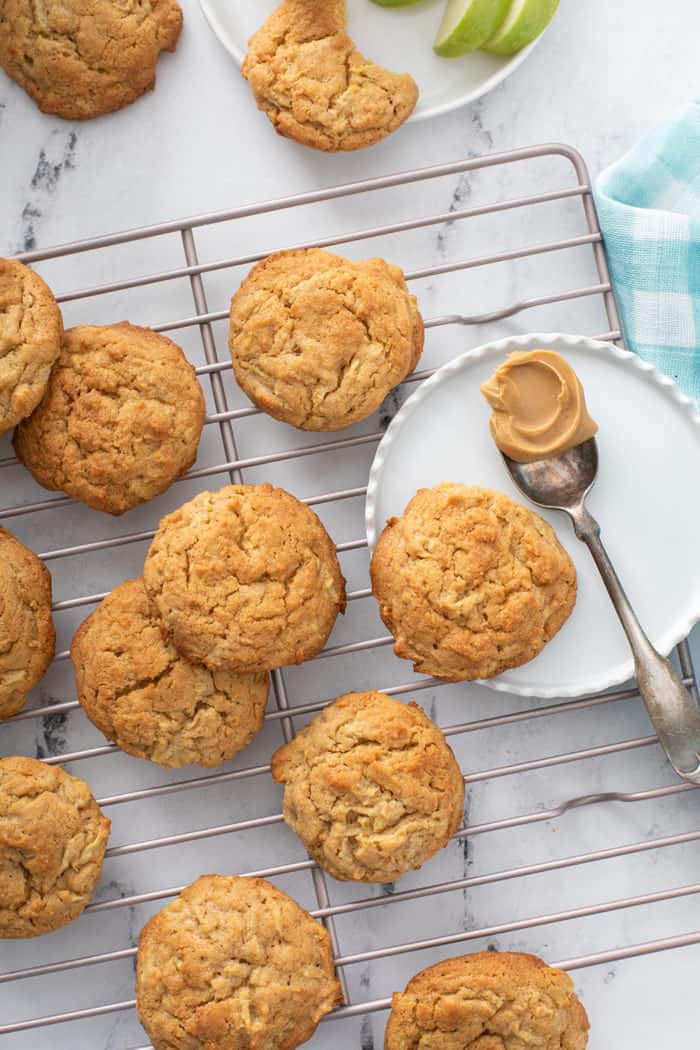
400	39
647	498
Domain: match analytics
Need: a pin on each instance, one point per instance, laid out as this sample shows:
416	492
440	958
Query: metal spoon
562	483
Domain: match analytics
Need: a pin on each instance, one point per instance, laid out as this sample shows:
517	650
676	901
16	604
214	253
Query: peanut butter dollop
539	408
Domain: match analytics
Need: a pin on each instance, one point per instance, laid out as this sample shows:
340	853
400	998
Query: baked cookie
30	340
488	1001
152	702
120	421
470	583
309	78
371	787
86	57
233	962
27	635
318	341
53	837
245	579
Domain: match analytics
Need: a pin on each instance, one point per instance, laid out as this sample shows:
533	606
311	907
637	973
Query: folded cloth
649	211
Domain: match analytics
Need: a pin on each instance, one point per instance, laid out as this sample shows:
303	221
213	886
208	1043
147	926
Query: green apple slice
466	24
522	24
395	3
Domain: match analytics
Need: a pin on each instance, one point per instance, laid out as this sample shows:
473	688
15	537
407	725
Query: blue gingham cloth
649	210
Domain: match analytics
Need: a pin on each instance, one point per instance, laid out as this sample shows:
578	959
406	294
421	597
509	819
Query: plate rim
507	345
438	110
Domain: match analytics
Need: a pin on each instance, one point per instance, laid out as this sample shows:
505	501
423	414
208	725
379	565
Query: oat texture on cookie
151	701
120	421
30	340
53	837
27	635
470	583
245	579
233	962
318	341
87	57
371	787
314	85
488	1001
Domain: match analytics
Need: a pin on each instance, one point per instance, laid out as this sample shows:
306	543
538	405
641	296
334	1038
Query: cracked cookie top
233	962
88	57
30	340
371	787
120	421
314	85
151	701
53	837
470	583
488	1001
27	635
318	341
245	579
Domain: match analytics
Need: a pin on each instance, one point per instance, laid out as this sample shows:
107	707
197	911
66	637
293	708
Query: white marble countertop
603	74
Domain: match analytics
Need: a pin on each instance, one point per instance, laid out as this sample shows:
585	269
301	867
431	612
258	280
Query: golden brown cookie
233	962
82	58
120	421
314	85
318	341
30	339
488	1001
470	583
151	701
27	635
53	837
371	787
245	579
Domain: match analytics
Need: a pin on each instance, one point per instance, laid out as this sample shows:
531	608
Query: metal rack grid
233	467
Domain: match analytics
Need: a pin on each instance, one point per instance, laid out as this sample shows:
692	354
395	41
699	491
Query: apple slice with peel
395	3
521	25
466	24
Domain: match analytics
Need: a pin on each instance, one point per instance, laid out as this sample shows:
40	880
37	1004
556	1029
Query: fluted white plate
647	498
398	38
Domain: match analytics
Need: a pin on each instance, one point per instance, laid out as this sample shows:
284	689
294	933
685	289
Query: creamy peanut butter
539	408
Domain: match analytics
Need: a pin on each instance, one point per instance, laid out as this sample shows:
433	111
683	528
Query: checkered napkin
649	210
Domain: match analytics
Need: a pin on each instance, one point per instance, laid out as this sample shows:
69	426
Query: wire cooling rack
559	795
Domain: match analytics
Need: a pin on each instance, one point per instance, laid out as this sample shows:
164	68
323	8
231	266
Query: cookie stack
138	690
110	415
120	419
174	667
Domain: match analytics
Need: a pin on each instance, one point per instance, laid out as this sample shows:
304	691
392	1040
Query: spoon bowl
561	482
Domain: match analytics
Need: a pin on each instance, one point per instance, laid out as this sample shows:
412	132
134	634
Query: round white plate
646	498
400	39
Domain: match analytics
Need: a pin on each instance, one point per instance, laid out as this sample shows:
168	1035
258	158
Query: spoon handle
672	708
